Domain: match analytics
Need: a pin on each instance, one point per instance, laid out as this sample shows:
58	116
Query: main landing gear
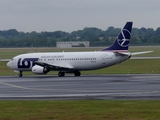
77	73
62	74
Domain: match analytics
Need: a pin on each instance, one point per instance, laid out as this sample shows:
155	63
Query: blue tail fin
122	41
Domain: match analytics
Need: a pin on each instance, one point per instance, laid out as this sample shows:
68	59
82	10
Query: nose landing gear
20	74
61	74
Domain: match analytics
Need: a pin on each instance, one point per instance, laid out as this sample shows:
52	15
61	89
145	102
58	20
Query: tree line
96	37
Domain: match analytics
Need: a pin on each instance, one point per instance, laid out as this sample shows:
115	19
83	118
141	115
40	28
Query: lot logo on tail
122	41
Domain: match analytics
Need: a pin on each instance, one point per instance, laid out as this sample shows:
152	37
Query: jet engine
39	70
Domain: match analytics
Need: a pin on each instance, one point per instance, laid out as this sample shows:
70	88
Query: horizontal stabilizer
138	53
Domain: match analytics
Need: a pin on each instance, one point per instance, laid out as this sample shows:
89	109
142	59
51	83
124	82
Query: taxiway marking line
20	87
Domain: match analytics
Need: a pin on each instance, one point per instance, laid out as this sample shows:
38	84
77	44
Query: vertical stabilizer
122	41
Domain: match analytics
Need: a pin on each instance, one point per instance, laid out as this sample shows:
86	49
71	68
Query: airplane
75	62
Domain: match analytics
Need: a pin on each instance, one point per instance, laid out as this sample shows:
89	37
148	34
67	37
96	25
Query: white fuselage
72	60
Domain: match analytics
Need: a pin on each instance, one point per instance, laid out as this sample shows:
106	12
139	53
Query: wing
54	66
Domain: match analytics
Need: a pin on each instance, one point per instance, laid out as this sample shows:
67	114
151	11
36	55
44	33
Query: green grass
146	66
80	110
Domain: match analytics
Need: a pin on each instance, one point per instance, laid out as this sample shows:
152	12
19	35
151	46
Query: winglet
122	41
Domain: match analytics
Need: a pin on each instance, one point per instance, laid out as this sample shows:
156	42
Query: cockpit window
12	59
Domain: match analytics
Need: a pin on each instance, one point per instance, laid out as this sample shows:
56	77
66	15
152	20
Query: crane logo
123	38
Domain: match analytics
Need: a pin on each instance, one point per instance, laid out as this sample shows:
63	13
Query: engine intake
39	70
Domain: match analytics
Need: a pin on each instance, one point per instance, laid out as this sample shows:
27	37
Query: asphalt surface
114	87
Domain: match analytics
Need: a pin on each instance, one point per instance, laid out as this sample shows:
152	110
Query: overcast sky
72	15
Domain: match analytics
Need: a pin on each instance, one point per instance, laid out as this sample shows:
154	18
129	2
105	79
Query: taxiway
125	86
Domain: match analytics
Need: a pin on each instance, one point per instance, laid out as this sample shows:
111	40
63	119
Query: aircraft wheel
20	74
61	74
77	73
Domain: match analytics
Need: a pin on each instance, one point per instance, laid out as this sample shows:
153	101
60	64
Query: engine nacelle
39	70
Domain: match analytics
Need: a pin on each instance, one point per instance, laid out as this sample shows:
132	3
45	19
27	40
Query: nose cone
9	64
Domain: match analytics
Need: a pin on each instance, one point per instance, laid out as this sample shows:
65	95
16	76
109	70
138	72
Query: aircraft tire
61	74
77	73
20	74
